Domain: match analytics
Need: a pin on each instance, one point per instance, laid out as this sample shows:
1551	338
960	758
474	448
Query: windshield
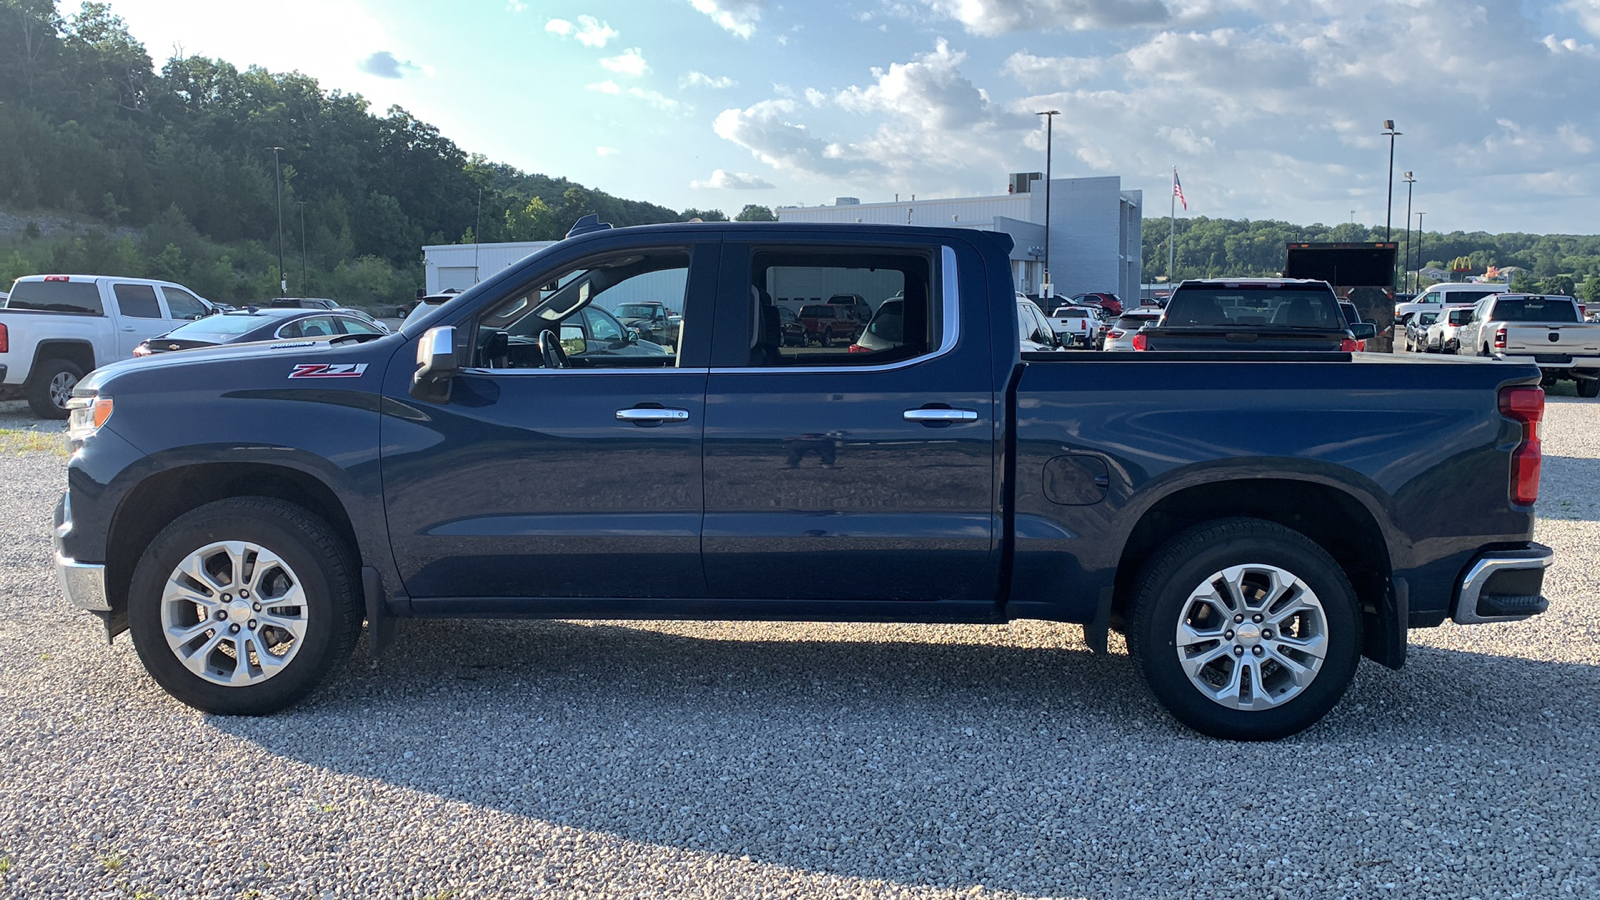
1255	306
639	311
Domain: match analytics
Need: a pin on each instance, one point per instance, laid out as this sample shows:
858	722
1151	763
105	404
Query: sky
1267	109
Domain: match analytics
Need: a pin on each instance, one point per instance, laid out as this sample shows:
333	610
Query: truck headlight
85	415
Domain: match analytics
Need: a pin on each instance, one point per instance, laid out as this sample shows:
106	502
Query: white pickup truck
54	329
1076	326
1548	331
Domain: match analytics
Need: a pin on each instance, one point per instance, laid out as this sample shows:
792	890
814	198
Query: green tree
754	213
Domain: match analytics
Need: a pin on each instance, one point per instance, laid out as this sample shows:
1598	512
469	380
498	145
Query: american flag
1177	190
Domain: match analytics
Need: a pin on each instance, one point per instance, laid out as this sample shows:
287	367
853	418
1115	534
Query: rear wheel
1245	629
242	606
51	387
1588	387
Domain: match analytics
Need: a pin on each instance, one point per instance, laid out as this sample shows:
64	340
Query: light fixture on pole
1388	213
1409	182
1047	288
277	180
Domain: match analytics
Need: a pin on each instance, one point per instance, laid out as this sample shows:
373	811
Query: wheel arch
79	353
1341	524
161	498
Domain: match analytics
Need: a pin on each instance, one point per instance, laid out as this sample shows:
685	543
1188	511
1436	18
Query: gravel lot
529	759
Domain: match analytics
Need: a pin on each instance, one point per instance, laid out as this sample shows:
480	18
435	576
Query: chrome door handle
940	416
639	415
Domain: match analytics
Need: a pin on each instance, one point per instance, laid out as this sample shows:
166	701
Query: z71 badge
324	370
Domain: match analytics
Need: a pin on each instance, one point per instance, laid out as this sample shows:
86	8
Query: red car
1104	300
829	322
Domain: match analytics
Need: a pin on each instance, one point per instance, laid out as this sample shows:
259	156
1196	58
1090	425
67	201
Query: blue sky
1268	109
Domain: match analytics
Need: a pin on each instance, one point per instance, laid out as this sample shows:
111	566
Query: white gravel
557	759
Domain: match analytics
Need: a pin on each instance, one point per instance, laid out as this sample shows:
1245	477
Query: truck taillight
1349	345
58	278
1141	341
5	339
1524	404
1500	339
857	348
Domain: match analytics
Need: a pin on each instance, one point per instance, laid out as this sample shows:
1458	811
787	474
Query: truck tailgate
1552	343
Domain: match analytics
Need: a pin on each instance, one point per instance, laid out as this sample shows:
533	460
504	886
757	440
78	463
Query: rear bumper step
1504	586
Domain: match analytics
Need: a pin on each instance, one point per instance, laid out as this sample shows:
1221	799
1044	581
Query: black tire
1163	600
1588	387
52	381
316	560
827	338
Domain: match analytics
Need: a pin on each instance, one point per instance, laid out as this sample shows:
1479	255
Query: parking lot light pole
1409	182
1047	287
277	180
302	205
1388	125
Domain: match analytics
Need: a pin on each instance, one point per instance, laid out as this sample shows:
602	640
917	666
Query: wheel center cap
239	611
1249	634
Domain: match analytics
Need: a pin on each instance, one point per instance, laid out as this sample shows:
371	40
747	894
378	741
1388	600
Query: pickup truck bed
1254	522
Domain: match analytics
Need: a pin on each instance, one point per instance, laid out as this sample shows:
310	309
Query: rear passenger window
137	301
880	309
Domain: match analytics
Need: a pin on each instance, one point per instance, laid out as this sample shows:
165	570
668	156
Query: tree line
173	176
1210	248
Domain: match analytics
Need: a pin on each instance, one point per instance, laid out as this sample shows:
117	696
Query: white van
1441	295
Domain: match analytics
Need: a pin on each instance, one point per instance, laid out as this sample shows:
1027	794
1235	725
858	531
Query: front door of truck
849	473
566	462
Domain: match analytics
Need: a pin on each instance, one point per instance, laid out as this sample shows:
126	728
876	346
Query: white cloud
1587	12
738	17
606	151
765	130
589	31
605	87
738	181
995	17
655	98
701	79
1041	72
516	6
628	62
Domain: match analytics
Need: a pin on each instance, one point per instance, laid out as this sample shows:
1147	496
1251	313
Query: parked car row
55	329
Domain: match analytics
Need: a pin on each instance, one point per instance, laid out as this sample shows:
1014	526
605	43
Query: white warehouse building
1096	229
461	266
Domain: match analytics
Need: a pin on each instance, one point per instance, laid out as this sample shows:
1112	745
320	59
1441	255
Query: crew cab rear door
851	474
538	481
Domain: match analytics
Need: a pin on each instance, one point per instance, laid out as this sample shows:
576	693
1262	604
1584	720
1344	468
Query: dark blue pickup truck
1253	522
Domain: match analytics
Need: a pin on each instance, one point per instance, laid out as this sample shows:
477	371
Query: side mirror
1364	331
436	364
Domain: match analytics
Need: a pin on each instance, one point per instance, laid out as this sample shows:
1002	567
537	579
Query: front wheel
1245	630
242	606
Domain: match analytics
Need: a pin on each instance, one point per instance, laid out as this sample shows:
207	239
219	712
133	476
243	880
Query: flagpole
1172	224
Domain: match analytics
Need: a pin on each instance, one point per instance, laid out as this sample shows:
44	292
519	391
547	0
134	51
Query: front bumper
1504	586
83	584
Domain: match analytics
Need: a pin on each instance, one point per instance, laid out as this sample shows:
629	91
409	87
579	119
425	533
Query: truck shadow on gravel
1578	502
949	758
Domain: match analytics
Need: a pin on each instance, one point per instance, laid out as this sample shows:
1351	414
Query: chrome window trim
620	370
950	309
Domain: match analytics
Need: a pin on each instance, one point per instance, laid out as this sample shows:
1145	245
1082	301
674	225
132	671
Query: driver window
598	315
